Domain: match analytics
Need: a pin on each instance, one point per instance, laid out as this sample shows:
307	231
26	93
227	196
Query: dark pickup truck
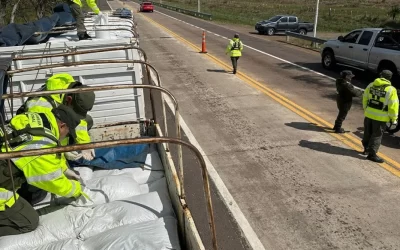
283	23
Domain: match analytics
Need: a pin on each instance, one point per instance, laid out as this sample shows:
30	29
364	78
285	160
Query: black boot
87	36
375	158
339	130
234	71
84	36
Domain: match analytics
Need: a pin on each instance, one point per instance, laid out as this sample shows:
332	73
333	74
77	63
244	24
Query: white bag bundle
141	175
157	234
86	172
110	188
159	185
136	209
58	224
69	244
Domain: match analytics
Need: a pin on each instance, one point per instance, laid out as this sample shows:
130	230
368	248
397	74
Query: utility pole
316	19
198	5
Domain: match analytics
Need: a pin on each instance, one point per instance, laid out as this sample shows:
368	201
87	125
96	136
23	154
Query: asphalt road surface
297	185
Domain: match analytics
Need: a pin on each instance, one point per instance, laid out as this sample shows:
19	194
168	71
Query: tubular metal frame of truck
117	133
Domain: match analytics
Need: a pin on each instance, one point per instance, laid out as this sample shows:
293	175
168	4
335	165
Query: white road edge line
110	6
260	51
230	203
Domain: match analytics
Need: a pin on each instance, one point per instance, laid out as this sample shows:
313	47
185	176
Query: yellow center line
348	139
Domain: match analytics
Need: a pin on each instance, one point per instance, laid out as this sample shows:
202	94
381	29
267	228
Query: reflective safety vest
34	131
380	101
45	104
235	47
91	3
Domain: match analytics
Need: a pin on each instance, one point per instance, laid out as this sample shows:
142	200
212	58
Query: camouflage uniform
344	99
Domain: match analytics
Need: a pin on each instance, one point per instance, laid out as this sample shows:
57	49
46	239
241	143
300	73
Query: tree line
22	11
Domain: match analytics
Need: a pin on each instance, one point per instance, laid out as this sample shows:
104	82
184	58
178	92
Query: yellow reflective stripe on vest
35	145
73	189
376	113
388	94
32	103
6	195
7	198
81	128
44	177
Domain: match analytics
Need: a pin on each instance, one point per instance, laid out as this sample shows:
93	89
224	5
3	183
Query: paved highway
265	134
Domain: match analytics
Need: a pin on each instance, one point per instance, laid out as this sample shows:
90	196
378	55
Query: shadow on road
218	70
361	79
330	149
390	141
308	126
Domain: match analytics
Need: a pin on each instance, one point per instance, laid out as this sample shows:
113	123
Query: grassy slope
345	15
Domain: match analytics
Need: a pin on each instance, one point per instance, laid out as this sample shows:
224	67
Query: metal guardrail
314	40
184	11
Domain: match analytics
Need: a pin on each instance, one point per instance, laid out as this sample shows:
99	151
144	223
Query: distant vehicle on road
372	49
146	6
283	23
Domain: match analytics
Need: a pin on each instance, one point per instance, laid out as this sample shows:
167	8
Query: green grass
344	15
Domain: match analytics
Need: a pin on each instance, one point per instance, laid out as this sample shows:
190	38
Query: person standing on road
345	93
235	48
381	105
76	11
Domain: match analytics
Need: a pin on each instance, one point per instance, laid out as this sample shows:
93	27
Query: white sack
86	172
58	225
136	209
159	185
157	234
69	244
111	188
141	175
151	171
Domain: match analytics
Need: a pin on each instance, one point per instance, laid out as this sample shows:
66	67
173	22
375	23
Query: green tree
394	11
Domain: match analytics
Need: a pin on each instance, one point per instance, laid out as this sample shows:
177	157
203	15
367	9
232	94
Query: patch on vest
377	92
15	142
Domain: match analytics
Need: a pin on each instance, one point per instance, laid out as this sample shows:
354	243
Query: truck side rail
155	140
68	64
113	87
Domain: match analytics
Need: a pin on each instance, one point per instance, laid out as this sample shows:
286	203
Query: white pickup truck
372	49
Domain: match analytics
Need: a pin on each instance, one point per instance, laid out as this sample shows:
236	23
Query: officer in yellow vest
234	48
81	103
34	131
381	105
76	10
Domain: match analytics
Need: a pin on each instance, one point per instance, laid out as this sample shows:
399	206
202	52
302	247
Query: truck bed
132	210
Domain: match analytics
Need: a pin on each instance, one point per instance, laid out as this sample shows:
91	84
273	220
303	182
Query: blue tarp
124	13
116	157
21	34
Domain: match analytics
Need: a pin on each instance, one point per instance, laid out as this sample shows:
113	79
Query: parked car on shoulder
368	49
283	23
146	6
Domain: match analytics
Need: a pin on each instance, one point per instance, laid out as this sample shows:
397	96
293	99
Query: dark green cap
83	102
68	116
346	73
387	74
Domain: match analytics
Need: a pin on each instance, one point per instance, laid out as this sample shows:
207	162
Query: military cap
387	74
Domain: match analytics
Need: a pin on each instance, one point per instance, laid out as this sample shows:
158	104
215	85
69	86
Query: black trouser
18	219
31	194
344	108
234	62
373	132
77	13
